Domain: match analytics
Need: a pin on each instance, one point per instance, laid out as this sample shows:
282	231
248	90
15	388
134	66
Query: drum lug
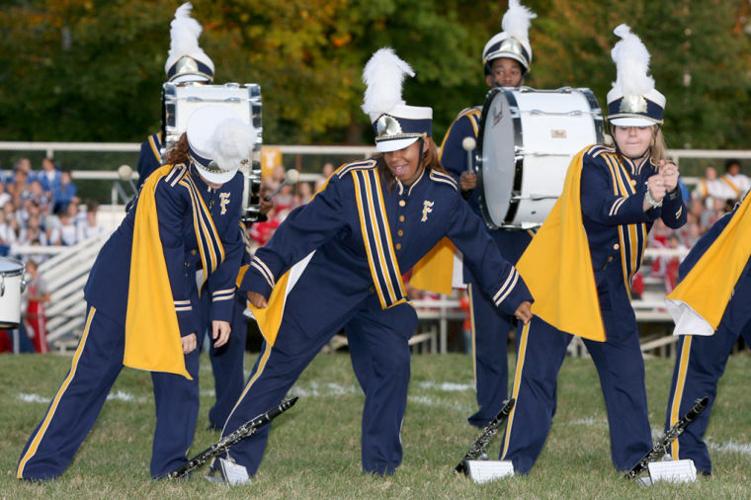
24	282
2	286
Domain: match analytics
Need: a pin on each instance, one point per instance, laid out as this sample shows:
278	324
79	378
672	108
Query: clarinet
676	430
481	443
246	430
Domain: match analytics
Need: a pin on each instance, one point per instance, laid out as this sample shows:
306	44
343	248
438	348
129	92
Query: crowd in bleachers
41	208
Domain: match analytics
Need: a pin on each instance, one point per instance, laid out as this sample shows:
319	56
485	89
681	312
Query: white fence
68	269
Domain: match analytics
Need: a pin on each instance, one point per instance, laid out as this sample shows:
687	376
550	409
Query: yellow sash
557	265
699	301
435	271
152	333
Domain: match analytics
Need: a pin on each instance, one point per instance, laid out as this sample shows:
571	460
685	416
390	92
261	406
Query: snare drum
12	285
180	100
526	141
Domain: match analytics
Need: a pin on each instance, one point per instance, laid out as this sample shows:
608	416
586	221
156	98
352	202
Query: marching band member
142	297
373	220
711	308
507	58
186	62
580	264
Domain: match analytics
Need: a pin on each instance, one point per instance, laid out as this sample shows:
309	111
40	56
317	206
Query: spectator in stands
285	198
4	196
328	169
90	227
23	165
7	235
305	192
734	180
37	295
33	233
65	192
65	232
709	187
20	187
39	196
50	176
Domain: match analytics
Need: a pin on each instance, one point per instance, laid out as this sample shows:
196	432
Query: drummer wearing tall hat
507	59
178	240
338	262
581	262
186	63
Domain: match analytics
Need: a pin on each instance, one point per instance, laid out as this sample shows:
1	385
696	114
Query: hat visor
389	146
632	121
190	78
216	177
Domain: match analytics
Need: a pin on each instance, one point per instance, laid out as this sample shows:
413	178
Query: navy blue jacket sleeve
221	283
306	229
453	155
147	162
673	210
497	277
172	204
600	205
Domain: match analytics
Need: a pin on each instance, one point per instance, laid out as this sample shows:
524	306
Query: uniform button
398	246
371	289
402	218
610	259
633	182
193	252
400	232
402	203
616	247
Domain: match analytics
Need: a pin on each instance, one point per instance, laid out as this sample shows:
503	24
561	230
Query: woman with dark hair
338	261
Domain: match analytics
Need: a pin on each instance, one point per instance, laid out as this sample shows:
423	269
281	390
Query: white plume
184	33
232	142
631	60
516	20
383	77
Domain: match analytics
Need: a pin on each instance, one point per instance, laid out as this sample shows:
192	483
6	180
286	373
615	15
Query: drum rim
518	171
14	273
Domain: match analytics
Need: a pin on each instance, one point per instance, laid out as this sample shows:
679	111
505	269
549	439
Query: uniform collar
635	166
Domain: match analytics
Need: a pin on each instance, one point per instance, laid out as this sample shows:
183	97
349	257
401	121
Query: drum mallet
469	144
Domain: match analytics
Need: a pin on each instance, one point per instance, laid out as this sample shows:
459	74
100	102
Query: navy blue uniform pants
540	353
699	364
384	373
71	414
227	365
490	329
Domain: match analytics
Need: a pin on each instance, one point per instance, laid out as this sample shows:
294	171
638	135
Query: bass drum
180	100
12	285
526	141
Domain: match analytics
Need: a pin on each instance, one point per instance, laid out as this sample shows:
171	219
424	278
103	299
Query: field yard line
446	386
113	396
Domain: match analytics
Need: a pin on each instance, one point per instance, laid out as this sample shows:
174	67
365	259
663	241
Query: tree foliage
91	70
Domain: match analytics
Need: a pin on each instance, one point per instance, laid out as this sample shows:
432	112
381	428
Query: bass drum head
10	267
10	292
497	167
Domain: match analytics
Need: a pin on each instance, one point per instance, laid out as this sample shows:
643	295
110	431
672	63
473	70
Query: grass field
314	450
